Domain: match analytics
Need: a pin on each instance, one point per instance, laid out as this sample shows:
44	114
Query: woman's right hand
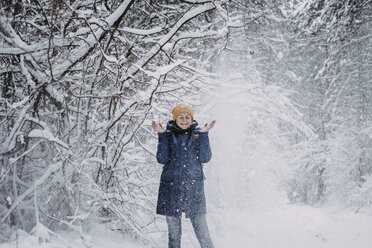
157	127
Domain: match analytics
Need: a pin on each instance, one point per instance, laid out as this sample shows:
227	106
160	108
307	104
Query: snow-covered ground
99	238
293	227
289	227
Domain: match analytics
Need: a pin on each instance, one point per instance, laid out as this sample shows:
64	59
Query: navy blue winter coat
182	179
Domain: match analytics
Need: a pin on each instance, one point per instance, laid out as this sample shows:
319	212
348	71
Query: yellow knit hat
182	107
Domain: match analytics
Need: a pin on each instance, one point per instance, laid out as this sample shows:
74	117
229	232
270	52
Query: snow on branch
13	160
19	104
26	73
46	134
51	169
140	31
162	70
164	40
197	1
21	47
93	39
11	51
198	35
17	125
113	207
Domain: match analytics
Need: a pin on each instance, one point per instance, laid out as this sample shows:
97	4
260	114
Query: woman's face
184	120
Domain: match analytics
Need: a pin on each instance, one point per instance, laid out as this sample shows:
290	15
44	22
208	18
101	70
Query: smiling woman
183	115
182	148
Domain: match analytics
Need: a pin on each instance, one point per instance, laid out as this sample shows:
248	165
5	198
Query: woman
182	149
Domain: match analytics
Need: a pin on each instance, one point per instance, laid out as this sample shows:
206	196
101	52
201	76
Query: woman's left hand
208	127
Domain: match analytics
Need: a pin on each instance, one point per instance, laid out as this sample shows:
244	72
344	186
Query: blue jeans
199	223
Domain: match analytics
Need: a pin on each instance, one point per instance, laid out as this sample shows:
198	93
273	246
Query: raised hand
208	127
157	127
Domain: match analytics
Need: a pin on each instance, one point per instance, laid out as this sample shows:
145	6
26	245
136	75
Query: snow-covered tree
82	80
338	37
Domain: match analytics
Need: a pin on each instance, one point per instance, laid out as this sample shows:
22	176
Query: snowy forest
289	83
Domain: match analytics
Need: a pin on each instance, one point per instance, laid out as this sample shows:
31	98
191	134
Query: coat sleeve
205	152
162	154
